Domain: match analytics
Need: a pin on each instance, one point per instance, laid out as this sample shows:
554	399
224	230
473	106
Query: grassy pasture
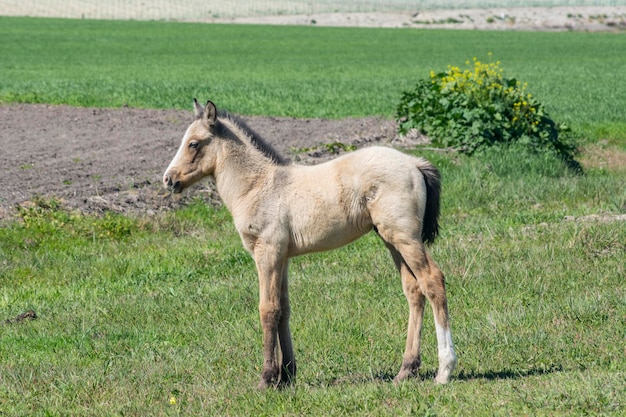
158	316
298	71
137	313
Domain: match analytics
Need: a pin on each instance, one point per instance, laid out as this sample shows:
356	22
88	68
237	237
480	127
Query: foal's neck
241	168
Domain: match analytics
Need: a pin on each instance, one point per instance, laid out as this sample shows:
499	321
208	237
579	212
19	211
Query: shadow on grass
508	373
463	375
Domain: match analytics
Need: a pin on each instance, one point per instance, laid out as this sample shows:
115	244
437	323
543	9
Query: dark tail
432	178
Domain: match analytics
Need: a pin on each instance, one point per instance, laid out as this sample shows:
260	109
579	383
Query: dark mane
256	140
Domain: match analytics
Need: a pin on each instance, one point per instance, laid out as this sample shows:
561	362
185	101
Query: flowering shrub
478	107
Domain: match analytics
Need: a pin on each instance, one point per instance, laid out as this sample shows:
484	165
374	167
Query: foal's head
195	158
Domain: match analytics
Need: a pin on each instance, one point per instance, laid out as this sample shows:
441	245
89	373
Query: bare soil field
97	160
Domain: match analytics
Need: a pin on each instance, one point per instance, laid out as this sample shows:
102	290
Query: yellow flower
173	400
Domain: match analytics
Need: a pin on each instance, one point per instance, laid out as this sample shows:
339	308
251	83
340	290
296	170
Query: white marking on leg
447	357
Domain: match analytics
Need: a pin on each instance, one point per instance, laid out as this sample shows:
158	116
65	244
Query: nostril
170	182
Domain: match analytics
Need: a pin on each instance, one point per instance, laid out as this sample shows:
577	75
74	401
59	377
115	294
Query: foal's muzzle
173	186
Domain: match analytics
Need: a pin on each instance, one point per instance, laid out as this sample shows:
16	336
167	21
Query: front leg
271	266
288	361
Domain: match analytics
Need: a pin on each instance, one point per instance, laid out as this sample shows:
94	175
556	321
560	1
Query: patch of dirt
603	155
26	316
563	18
559	18
98	160
602	218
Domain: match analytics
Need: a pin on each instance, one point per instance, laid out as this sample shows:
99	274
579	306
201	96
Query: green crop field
158	315
297	71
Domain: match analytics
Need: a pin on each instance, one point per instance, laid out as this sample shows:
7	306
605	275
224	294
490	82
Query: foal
282	210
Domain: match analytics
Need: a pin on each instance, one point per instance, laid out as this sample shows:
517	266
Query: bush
478	107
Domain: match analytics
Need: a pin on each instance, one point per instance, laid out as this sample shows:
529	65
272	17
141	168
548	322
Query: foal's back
331	204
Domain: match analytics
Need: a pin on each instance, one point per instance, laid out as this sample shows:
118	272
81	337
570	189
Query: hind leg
411	359
429	282
439	303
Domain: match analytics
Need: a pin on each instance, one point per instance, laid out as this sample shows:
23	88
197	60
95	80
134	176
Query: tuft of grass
158	316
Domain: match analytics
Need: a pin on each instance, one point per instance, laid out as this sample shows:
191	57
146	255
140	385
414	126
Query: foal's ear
207	114
210	112
197	109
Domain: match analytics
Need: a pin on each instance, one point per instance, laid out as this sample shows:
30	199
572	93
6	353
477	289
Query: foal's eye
193	145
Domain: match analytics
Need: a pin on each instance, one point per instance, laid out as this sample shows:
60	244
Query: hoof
442	378
446	366
269	379
409	369
277	385
262	386
273	378
403	375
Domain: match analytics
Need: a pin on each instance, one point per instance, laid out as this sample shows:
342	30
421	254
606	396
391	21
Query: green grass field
158	315
298	71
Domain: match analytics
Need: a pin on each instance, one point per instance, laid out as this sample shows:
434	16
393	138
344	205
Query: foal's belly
322	234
